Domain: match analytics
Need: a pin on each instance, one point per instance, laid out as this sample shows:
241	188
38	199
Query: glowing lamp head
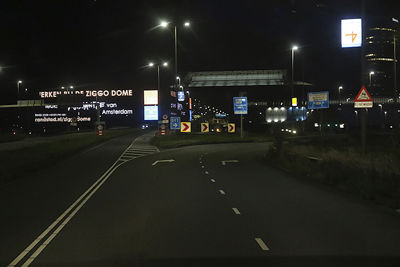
165	64
164	24
151	64
187	24
295	47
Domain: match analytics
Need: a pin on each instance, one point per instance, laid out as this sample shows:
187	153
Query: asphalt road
194	211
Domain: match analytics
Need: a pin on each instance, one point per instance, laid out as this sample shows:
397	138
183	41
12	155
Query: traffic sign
351	32
363	99
205	128
240	105
186	127
318	100
231	127
175	123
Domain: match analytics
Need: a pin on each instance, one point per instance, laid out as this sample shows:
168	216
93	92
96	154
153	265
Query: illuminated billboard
150	113
151	97
351	33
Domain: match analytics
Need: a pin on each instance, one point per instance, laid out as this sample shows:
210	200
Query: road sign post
186	127
240	108
205	128
363	100
175	123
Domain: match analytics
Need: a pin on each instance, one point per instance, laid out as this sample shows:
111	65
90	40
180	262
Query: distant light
372	73
282	130
164	24
165	64
289	131
395	20
178	78
276	120
19	81
71	87
315	124
151	64
341	126
294	131
62	87
340	87
295	47
187	24
391	127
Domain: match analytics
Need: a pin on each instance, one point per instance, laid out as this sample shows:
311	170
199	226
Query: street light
370	77
340	88
164	24
18	84
294	48
164	64
71	87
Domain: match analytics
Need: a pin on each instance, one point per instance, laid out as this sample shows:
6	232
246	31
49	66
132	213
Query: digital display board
150	113
351	33
151	97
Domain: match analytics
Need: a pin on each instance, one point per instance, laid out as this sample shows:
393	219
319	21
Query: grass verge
178	140
17	163
374	176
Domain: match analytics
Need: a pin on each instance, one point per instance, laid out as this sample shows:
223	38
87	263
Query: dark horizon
104	44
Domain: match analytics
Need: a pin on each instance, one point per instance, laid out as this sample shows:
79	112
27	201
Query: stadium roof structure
239	78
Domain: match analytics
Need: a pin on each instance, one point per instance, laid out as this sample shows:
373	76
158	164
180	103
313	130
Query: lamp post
370	78
164	24
164	64
340	88
294	48
18	85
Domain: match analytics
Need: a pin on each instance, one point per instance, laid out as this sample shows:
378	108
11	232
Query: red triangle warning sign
363	95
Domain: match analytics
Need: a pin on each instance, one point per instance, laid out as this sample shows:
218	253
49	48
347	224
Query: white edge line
48	229
261	243
236	211
61	226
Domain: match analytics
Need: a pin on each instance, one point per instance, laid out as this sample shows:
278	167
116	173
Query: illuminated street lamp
18	84
340	88
71	87
294	48
164	24
370	77
164	64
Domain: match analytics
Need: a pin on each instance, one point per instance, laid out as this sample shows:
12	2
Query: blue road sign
318	100
240	105
175	123
181	95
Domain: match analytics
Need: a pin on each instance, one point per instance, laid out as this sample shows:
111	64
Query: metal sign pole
241	126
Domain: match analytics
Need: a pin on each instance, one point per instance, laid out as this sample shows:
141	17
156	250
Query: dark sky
104	43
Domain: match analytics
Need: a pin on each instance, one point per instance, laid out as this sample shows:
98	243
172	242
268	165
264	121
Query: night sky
106	44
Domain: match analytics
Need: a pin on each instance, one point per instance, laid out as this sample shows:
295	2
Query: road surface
209	205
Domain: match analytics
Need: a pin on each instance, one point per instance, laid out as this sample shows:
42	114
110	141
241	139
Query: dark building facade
381	45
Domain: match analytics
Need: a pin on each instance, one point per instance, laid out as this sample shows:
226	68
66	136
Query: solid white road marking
236	211
230	160
212	180
261	243
162	160
45	232
222	192
86	196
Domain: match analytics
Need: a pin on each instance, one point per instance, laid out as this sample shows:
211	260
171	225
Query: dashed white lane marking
236	211
206	172
201	162
261	243
222	192
202	167
212	180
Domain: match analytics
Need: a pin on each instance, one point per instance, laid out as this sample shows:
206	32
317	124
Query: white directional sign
351	33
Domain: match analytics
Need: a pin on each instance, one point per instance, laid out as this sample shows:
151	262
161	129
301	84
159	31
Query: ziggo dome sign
88	93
